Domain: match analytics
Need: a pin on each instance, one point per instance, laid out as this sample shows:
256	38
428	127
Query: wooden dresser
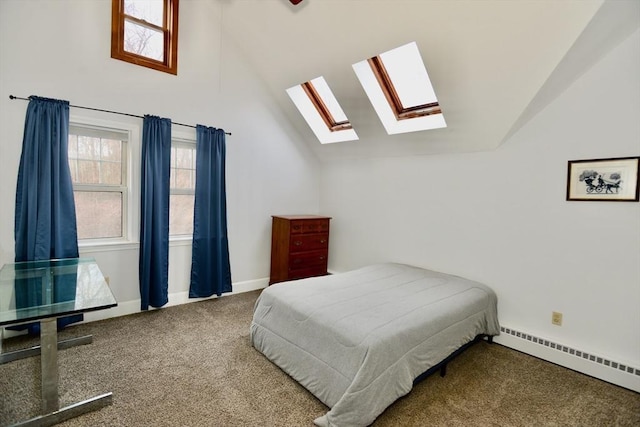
299	247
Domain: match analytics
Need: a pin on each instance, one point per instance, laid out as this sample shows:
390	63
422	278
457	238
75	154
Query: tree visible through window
145	32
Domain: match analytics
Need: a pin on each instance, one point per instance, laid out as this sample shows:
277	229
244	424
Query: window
145	33
183	188
422	108
320	108
400	90
98	165
324	111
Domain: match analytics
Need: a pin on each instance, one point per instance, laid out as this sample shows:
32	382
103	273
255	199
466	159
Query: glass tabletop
35	290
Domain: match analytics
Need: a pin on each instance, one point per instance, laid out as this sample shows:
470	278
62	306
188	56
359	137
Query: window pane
409	75
183	179
329	99
183	166
88	147
93	160
181	214
73	168
111	150
98	214
148	10
88	172
184	157
111	173
72	148
143	41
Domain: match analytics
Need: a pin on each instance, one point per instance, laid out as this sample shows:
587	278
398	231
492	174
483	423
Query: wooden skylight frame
323	110
399	88
386	84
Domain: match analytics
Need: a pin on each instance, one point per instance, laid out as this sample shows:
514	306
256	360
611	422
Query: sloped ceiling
491	62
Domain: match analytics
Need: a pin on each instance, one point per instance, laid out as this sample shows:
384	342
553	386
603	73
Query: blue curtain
210	269
154	212
45	215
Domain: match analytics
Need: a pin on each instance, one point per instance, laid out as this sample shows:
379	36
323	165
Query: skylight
400	91
321	110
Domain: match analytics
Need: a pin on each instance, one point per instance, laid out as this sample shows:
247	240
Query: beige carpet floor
192	365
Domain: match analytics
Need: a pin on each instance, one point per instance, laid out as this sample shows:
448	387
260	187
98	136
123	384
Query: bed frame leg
490	339
443	370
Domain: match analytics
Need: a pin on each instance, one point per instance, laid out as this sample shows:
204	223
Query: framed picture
614	180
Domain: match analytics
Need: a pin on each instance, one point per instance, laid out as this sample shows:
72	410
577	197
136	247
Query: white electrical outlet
556	318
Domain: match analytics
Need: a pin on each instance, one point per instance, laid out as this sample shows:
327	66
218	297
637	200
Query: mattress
357	340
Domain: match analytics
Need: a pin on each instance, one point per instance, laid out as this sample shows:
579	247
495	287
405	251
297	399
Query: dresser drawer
307	272
308	242
309	226
308	259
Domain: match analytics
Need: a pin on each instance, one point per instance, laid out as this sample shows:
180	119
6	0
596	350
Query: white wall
501	218
61	49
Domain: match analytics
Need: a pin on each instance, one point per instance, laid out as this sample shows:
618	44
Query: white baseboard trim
590	364
175	298
133	306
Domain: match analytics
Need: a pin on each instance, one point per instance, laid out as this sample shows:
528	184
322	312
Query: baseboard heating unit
591	364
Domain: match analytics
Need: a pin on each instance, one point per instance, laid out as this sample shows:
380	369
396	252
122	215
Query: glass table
43	291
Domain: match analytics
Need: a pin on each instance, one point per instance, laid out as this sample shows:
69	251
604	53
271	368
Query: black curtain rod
113	112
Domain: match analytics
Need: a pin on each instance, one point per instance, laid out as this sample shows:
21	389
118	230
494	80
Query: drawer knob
323	241
297	243
322	258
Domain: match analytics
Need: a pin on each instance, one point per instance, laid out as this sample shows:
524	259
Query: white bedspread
357	340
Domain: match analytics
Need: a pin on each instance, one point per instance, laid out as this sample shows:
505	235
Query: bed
358	340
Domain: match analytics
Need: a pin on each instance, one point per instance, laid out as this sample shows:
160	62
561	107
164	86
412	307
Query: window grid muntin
100	160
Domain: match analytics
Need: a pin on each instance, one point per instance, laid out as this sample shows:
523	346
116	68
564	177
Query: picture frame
611	180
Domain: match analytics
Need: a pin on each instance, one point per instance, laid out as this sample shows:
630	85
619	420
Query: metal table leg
49	365
51	412
10	356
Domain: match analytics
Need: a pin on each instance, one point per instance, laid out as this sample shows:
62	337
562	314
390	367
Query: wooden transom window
145	33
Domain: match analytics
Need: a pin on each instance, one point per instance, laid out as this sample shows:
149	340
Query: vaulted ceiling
494	64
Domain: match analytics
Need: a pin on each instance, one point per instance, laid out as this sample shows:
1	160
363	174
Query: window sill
104	246
180	241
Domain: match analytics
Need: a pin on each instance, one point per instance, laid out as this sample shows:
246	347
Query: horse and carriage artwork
596	183
614	179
